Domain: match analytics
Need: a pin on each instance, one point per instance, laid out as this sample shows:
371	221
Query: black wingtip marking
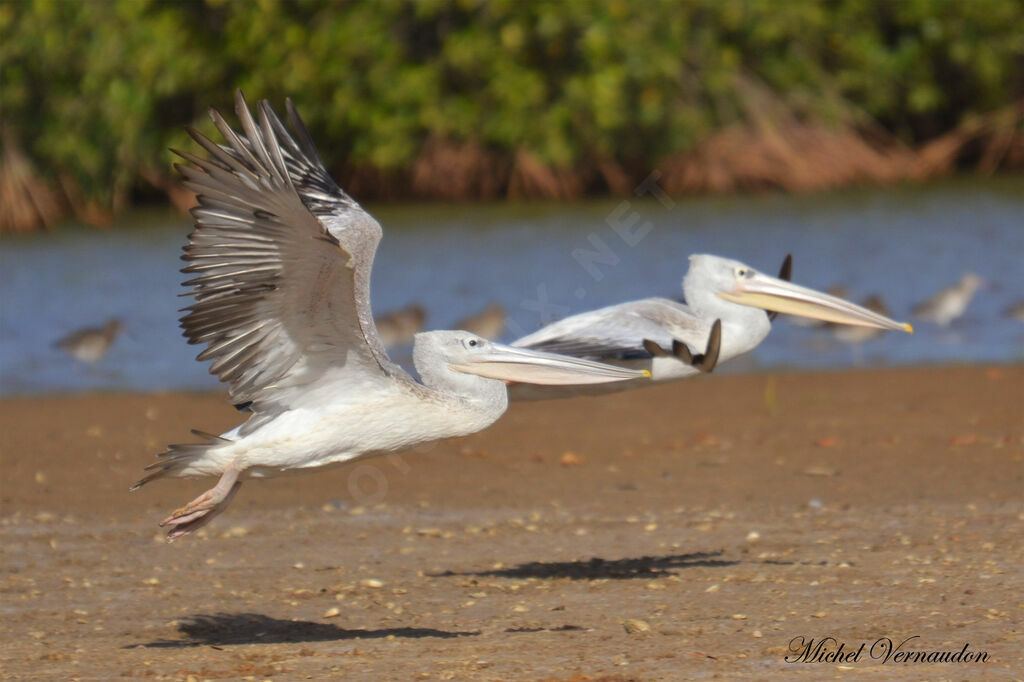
710	360
209	436
785	273
329	238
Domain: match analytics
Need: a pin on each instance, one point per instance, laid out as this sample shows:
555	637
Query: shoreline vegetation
469	100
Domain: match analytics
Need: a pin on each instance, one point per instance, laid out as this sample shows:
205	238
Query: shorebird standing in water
1015	311
949	303
724	316
282	258
488	323
91	343
399	327
856	334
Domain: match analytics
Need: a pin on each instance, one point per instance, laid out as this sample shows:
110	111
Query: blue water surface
543	261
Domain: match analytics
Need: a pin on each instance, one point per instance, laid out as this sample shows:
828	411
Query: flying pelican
91	343
949	303
488	323
282	259
723	317
398	327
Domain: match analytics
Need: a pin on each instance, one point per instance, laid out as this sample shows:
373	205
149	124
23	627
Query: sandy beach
694	530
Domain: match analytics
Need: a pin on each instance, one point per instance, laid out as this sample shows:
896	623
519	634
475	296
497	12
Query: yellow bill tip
908	328
647	373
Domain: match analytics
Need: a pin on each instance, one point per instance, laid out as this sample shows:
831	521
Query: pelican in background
724	316
282	259
91	343
488	323
949	303
398	327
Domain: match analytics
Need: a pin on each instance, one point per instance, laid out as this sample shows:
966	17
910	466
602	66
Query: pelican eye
741	273
473	342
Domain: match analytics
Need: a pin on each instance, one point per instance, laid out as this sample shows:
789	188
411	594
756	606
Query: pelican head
712	282
441	357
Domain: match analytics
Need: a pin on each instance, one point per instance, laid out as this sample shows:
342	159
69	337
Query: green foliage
96	91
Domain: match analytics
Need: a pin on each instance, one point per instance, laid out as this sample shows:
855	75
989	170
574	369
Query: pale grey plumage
270	212
716	289
950	302
91	343
282	260
618	331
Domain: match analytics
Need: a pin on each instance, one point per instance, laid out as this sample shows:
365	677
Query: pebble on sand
634	626
571	459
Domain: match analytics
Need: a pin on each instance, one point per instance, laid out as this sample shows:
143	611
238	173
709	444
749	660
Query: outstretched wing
619	331
282	260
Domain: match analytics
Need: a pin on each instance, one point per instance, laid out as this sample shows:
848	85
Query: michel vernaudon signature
885	650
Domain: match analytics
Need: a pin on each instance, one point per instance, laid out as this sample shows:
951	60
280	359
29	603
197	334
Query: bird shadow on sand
225	629
598	568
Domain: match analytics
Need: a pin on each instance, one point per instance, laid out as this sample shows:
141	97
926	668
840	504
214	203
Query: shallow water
903	243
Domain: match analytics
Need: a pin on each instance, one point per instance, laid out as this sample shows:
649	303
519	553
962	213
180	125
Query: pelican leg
204	508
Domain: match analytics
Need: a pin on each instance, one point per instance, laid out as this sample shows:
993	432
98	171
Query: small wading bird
488	323
282	259
857	334
724	316
949	303
1015	311
399	327
92	343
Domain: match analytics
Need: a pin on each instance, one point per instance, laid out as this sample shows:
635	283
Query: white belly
308	437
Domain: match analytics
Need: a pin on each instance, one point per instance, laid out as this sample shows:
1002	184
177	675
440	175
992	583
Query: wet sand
685	531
